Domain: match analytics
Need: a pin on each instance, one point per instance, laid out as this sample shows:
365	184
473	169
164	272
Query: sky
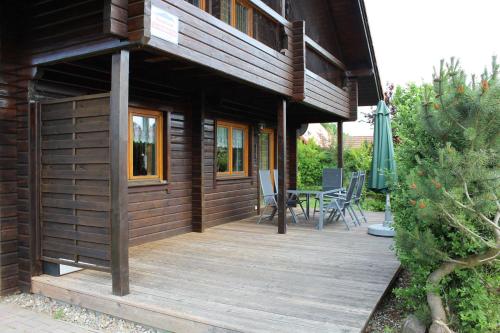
411	36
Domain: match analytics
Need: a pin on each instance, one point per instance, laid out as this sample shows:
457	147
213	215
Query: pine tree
453	188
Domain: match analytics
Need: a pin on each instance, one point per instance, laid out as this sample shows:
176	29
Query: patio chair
359	191
332	180
293	199
342	203
270	197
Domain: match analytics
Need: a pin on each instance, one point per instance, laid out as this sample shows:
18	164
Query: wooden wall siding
210	42
299	60
320	27
229	199
324	95
116	17
54	24
352	86
75	181
138	20
157	212
9	268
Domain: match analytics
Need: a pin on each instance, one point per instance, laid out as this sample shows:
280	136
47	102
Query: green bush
447	161
312	159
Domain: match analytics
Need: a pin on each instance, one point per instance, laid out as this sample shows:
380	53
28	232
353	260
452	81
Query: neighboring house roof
319	134
356	141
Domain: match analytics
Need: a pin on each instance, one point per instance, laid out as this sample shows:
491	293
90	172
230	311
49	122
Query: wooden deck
244	277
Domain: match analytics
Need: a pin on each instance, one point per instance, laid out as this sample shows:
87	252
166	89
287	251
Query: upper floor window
145	152
198	3
232	149
237	13
247	19
242	17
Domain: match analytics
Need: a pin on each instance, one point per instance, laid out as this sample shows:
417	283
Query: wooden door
267	151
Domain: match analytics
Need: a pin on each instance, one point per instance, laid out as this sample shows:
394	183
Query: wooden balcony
210	42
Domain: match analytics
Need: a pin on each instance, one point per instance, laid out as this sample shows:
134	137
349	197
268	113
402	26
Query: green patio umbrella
383	170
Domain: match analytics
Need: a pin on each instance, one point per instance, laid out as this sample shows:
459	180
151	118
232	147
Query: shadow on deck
244	277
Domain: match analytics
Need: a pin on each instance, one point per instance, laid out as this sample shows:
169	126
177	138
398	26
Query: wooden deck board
245	277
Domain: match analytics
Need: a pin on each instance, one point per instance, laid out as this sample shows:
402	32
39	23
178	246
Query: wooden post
282	195
34	176
340	145
198	164
119	175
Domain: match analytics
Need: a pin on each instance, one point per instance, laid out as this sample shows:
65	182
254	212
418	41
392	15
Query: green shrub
312	159
447	156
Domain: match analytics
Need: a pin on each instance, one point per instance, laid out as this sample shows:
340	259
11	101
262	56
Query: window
237	13
232	149
145	153
225	10
266	148
242	16
198	3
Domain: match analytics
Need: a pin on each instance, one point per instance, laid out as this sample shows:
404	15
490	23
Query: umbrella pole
388	213
384	229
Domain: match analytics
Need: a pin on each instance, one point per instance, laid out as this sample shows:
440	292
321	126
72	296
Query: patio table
320	195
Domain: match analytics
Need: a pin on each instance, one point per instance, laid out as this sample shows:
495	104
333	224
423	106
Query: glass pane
144	146
194	2
264	152
241	18
222	149
238	137
225	11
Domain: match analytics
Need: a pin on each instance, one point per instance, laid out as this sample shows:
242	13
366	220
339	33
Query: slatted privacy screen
75	182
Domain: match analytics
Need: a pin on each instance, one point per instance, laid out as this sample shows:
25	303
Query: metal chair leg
341	214
303	210
361	211
294	216
357	221
352	217
262	214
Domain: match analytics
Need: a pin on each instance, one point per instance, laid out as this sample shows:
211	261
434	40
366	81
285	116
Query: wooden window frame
271	132
159	138
230	125
250	9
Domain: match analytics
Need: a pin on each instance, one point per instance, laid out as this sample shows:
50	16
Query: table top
313	192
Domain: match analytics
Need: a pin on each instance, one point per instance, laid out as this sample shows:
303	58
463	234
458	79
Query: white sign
164	25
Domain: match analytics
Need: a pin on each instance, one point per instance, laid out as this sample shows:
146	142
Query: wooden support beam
34	176
360	72
352	88
198	164
324	53
283	8
119	174
282	196
278	17
299	61
340	145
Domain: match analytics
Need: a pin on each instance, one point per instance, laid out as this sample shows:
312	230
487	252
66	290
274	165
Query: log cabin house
128	121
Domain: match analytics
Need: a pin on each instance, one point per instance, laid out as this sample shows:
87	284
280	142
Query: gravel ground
75	314
388	317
